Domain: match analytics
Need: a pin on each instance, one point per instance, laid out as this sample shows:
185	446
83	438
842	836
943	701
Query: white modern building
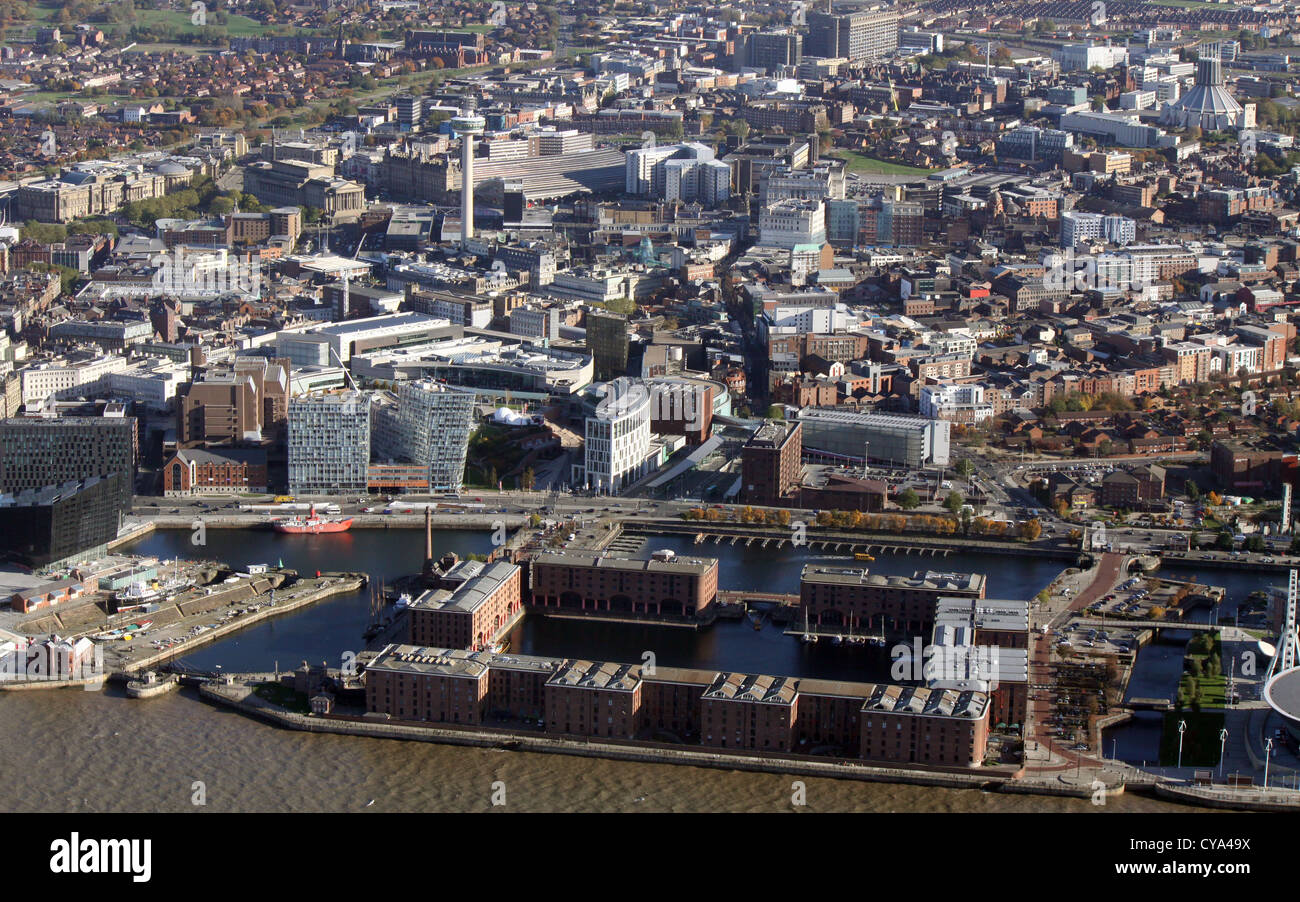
820	320
791	222
617	447
329	443
61	380
1232	359
955	403
684	172
1075	57
1078	226
1124	129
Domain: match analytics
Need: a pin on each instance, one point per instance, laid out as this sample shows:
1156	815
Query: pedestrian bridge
1095	623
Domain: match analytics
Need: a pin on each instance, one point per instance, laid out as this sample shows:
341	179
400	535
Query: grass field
60	96
864	165
1187	4
236	26
1213	689
167	47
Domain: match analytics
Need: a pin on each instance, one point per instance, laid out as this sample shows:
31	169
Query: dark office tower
772	51
38	452
857	37
409	111
40	526
607	343
514	201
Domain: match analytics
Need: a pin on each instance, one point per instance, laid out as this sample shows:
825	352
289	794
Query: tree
1030	530
954	501
68	276
1193	490
45	233
1223	541
528	479
965	468
738	127
908	499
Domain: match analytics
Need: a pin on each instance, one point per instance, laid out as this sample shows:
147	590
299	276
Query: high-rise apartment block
42	451
857	37
430	425
329	443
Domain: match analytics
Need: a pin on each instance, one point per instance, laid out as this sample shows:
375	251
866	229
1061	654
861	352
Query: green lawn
168	47
861	164
1188	4
1212	690
43	12
1203	670
236	26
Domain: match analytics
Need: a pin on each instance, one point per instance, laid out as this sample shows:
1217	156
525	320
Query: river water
71	750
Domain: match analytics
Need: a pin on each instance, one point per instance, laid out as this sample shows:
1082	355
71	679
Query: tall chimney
428	542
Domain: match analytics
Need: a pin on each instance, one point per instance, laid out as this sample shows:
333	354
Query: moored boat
312	525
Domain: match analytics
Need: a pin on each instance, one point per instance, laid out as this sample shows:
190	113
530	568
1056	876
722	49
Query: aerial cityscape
611	406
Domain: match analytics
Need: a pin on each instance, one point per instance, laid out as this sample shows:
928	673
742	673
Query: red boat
312	525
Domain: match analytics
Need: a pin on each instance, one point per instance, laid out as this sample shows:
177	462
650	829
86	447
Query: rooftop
469	595
693	566
982	613
930	579
597	675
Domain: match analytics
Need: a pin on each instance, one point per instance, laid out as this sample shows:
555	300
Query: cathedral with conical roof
1208	105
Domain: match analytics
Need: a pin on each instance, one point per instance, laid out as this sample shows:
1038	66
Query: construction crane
347	374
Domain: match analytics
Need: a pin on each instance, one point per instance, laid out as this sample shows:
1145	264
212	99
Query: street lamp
1268	755
1182	728
1223	743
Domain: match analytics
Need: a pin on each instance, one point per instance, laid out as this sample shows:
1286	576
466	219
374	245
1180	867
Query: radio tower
1285	657
468	124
